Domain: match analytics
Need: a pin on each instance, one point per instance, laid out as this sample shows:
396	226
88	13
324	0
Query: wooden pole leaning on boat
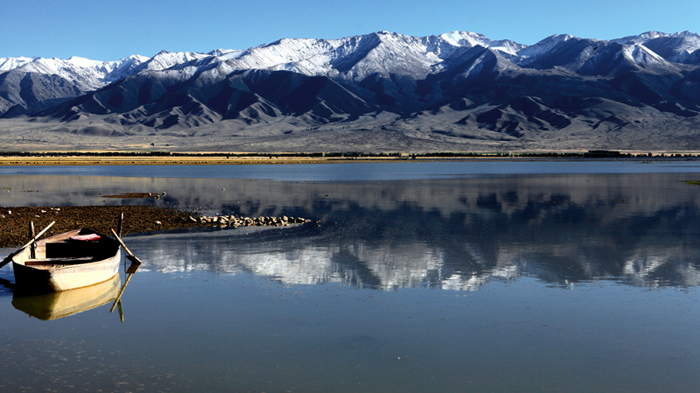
32	234
38	235
9	257
131	254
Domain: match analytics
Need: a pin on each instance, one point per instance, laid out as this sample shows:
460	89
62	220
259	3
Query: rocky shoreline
236	221
14	221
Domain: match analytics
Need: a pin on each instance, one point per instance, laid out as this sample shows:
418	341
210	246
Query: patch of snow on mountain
83	62
642	56
10	63
507	47
122	68
215	74
234	54
543	46
469	39
639	39
687	43
225	52
466	38
677	47
85	73
164	60
393	54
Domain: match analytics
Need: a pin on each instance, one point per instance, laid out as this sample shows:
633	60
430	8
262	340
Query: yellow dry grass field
97	160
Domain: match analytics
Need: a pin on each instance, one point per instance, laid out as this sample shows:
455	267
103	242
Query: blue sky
113	29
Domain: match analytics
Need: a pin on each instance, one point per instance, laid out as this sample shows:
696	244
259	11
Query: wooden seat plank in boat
58	261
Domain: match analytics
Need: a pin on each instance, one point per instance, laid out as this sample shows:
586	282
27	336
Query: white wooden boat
70	260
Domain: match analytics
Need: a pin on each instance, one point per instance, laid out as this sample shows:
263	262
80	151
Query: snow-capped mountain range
322	81
306	56
355	58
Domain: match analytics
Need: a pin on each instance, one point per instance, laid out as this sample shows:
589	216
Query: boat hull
58	276
68	277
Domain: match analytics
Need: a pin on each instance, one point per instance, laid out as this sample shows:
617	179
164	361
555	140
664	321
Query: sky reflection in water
366	171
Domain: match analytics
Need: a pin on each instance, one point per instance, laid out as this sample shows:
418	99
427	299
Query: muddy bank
14	221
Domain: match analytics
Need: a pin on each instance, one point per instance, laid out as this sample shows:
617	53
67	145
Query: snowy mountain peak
462	38
83	62
165	60
650	35
555	39
10	63
686	33
223	52
545	46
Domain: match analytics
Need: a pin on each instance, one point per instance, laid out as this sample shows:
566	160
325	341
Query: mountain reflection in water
238	310
456	234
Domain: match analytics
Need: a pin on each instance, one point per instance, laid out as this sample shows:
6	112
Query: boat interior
76	247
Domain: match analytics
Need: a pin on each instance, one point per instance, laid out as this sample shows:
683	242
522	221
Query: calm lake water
440	277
